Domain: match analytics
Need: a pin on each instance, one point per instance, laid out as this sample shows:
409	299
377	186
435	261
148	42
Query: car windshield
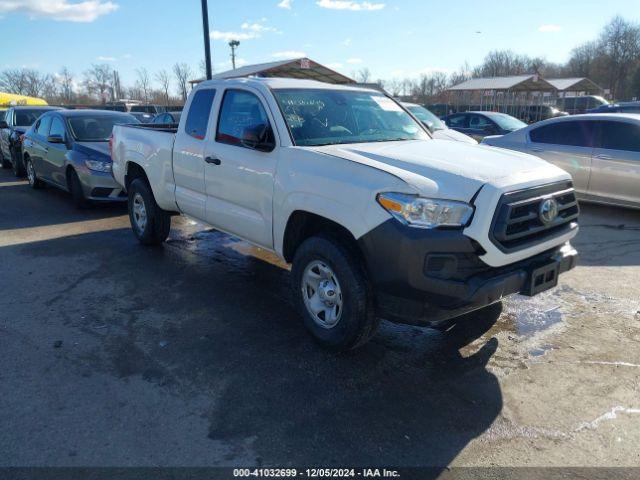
432	122
325	117
26	118
96	128
507	122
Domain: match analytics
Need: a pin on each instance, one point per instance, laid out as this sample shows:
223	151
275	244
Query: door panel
188	154
239	184
56	153
616	175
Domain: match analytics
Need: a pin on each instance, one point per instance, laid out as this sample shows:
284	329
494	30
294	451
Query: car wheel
150	224
18	166
75	187
332	293
34	181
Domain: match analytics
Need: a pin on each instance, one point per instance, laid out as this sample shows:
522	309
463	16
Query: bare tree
182	72
143	83
363	75
65	79
162	77
97	80
14	81
620	40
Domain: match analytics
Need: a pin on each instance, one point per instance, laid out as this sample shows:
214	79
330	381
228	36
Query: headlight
98	166
426	212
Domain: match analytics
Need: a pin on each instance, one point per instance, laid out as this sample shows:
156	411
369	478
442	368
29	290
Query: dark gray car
69	149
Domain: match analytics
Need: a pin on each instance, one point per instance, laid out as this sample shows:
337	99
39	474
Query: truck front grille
518	222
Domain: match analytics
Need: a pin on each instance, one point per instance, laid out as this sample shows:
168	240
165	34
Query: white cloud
349	5
226	36
103	58
60	10
227	65
289	54
285	4
248	31
334	66
549	28
354	60
347	42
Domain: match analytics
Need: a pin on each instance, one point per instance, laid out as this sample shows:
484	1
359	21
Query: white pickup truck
378	219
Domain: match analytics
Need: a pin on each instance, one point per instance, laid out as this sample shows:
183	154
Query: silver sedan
600	151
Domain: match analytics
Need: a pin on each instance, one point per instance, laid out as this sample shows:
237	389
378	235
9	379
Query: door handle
214	160
604	157
536	149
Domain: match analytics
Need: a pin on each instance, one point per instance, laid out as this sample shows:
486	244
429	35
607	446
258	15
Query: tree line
99	84
612	61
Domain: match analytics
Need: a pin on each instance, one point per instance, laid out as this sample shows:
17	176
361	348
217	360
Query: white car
378	219
600	151
437	127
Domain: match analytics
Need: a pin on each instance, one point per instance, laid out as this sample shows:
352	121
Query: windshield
432	122
507	122
96	128
26	118
326	117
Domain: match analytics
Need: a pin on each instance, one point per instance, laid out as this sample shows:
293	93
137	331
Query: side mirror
259	137
4	124
55	139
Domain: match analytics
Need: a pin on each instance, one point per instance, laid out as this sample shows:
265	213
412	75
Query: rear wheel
34	181
75	187
150	224
332	293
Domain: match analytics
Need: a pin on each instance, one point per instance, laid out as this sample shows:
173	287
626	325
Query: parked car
142	117
69	150
622	107
578	105
167	118
3	111
377	218
537	113
481	124
600	151
16	122
436	126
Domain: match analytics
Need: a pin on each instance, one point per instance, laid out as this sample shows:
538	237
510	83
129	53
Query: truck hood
449	134
442	168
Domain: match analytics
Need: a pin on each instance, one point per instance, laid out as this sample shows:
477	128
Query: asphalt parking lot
191	355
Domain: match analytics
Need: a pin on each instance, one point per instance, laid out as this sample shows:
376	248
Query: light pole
233	44
207	41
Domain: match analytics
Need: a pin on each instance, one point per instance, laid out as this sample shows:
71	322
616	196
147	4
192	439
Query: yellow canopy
10	99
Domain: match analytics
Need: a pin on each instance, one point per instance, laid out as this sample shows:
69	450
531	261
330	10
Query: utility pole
233	44
207	40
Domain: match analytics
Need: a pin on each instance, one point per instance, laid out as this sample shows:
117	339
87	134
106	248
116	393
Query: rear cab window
197	121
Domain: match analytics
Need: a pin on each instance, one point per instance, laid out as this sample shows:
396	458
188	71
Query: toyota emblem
548	211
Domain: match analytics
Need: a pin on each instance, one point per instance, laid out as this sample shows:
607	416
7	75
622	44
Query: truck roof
275	82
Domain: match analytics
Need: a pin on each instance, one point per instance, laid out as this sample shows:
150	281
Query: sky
392	38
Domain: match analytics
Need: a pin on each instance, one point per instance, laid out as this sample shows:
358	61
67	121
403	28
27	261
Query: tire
341	280
18	166
150	224
34	181
75	188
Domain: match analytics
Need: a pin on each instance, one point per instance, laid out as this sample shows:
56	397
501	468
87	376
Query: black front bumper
424	277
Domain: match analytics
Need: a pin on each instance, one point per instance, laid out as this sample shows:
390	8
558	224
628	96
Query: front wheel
332	293
150	224
34	181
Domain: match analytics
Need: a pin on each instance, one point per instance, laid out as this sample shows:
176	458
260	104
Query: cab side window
240	109
577	134
458	121
199	112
